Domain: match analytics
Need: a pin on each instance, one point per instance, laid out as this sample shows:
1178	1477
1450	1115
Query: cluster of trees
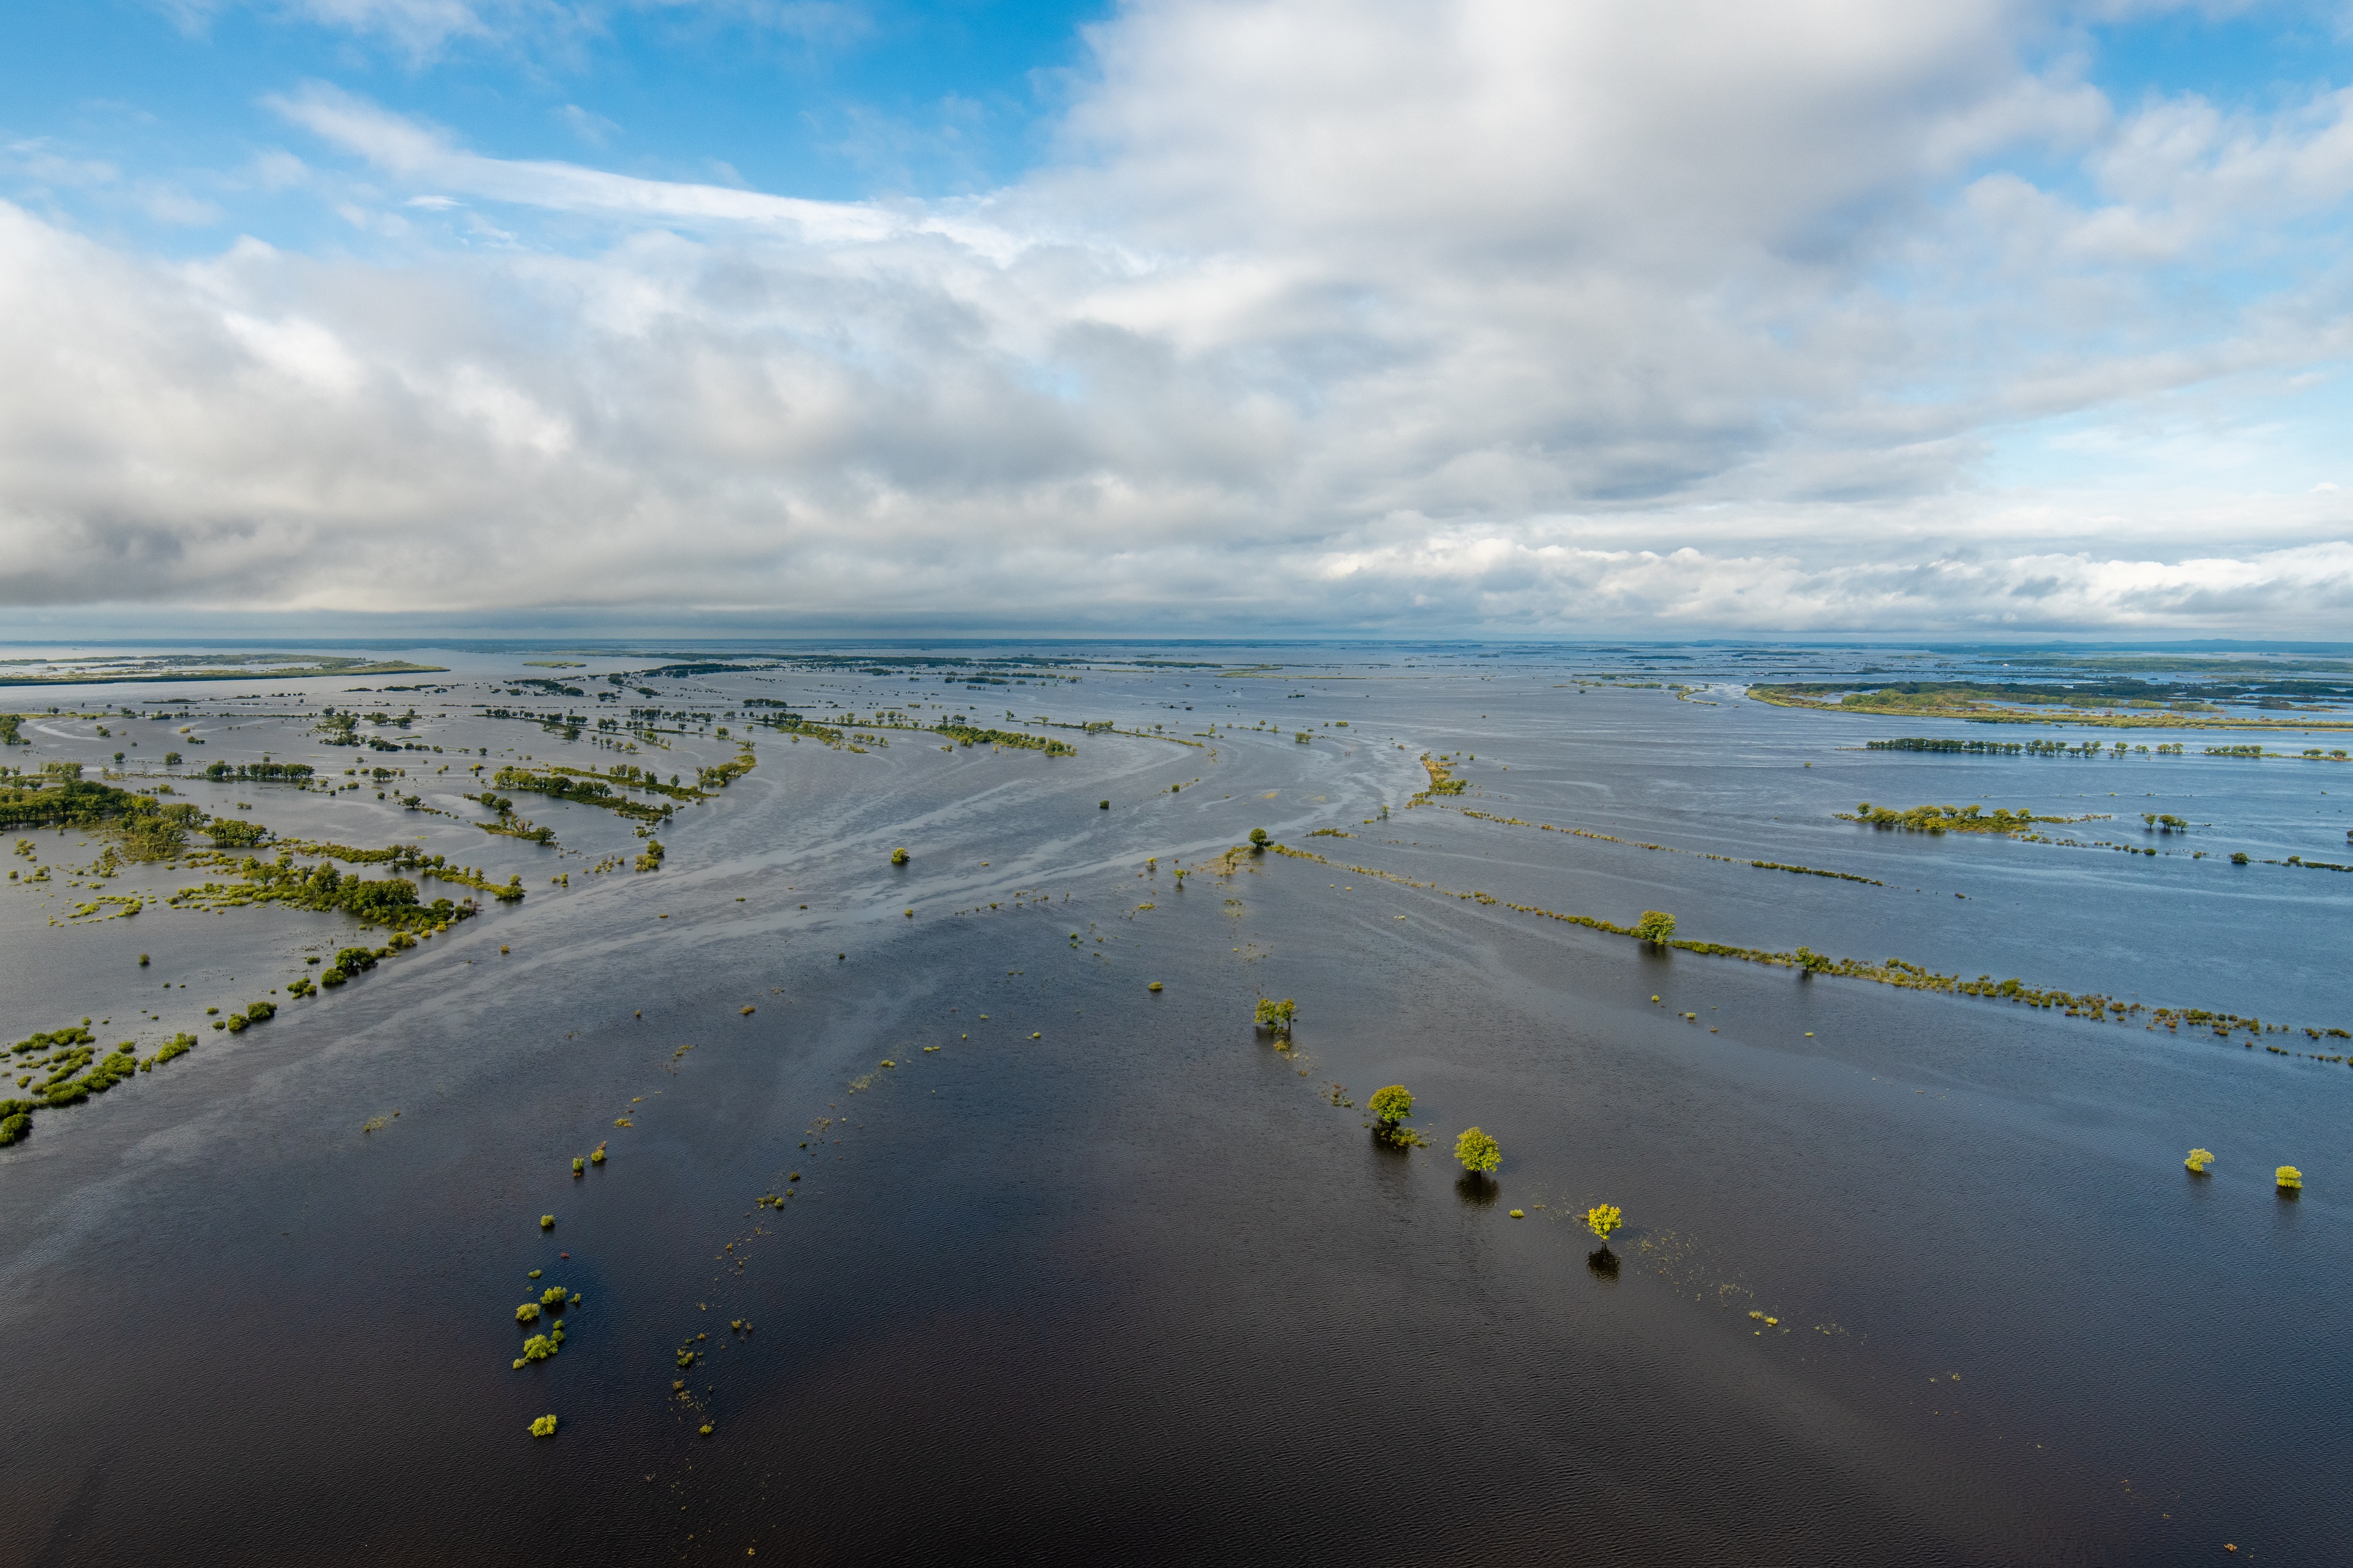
1971	818
259	772
970	735
391	901
1477	1150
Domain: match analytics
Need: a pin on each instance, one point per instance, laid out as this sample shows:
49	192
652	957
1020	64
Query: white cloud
1494	315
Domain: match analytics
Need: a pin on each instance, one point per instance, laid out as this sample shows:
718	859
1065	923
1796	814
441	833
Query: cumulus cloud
1393	314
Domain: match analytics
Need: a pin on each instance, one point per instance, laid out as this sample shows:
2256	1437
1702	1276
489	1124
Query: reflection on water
1106	1277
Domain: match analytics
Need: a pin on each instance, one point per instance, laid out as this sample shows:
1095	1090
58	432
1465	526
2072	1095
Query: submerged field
924	1228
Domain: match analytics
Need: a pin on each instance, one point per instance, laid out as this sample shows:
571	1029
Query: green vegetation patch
968	735
1949	820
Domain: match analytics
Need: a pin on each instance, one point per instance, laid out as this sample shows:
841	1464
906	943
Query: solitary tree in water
1258	840
1479	1152
1655	926
1603	1218
1275	1016
1391	1107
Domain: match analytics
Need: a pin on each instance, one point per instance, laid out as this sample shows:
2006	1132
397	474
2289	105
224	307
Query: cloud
1391	315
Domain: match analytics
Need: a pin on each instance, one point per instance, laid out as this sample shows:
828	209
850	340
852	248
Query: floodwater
1095	1274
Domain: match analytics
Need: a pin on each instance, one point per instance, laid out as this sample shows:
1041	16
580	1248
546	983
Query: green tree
1258	840
1479	1152
898	857
1655	926
1275	1016
1603	1218
1391	1105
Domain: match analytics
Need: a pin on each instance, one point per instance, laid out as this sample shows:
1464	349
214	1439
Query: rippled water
1139	1287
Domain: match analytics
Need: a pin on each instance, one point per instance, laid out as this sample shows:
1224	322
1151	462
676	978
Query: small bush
552	1296
899	856
547	1222
2289	1179
544	1427
1479	1152
2199	1159
527	1313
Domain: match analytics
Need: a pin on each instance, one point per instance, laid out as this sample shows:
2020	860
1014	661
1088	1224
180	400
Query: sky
1497	318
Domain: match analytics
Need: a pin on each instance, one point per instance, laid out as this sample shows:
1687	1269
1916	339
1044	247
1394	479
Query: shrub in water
1603	1218
527	1313
1479	1152
2289	1179
544	1427
1276	1017
2198	1159
1655	926
1392	1106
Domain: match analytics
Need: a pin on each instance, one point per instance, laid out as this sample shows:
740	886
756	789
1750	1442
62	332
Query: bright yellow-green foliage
547	1222
1477	1151
1971	818
551	1296
1392	1104
2290	1179
1276	1016
544	1427
2198	1159
527	1313
898	857
1603	1218
1656	925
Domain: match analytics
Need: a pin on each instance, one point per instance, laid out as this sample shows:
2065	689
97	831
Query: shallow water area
1109	1274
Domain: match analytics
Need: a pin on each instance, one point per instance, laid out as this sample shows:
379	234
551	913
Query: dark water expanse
1142	1288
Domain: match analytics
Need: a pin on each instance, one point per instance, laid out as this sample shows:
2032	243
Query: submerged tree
1655	926
1391	1105
1479	1152
2199	1159
1275	1017
1603	1218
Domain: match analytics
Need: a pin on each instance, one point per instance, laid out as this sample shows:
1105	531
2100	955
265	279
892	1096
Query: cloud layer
1414	317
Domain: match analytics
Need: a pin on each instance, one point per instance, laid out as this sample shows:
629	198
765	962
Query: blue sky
1492	316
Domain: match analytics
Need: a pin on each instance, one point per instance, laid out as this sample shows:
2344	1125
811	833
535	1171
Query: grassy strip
1896	972
1670	849
1986	713
337	669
